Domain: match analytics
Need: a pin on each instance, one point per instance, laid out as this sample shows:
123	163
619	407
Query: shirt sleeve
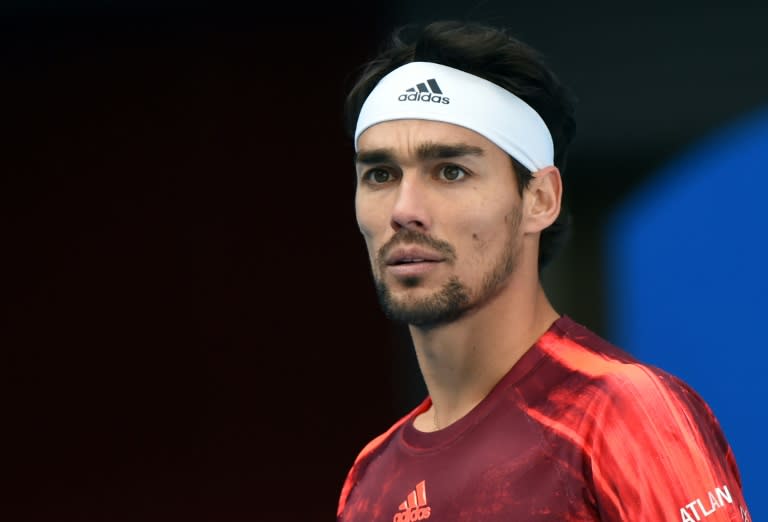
657	453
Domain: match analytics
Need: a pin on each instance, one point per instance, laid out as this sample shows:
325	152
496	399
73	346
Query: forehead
410	134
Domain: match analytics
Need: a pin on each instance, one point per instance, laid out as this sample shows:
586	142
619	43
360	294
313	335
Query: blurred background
189	329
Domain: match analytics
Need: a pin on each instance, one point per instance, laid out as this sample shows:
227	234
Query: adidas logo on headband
428	91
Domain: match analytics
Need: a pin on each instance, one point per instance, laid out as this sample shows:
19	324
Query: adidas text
425	97
412	515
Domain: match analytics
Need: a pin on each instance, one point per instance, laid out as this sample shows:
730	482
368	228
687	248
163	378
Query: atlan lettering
698	509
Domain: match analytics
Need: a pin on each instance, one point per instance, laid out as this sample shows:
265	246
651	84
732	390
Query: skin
454	249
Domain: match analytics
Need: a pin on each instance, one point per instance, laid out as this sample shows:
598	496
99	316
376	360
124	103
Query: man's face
439	208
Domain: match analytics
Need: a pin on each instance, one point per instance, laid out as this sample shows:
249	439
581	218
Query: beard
444	306
454	298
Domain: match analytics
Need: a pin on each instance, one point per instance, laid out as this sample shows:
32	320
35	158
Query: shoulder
378	441
651	442
370	450
583	351
613	381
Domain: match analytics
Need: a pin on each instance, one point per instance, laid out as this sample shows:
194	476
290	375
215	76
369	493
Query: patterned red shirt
577	430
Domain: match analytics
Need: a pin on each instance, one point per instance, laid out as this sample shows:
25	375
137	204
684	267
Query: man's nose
411	208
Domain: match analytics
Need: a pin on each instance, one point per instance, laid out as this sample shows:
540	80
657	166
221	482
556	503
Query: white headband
430	91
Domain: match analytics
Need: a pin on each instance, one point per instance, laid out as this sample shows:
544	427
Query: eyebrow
425	151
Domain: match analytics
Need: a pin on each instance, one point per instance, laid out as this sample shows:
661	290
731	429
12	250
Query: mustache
413	237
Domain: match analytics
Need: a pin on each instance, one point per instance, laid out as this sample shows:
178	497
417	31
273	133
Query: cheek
479	241
370	227
370	244
487	233
363	217
372	212
474	244
481	225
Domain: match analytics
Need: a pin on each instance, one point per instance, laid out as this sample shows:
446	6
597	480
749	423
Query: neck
463	360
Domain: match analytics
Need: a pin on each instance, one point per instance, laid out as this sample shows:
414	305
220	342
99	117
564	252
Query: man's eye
452	173
378	176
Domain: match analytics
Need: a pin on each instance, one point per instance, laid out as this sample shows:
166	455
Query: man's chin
422	316
423	306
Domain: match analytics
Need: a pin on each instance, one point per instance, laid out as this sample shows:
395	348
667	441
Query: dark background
188	324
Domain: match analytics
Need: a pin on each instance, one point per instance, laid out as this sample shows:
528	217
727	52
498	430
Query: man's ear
542	199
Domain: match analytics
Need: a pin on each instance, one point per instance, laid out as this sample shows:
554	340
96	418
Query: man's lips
412	255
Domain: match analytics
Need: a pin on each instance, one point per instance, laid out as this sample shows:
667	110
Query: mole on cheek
474	236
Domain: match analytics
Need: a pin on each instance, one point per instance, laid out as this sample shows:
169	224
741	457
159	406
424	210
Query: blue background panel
688	281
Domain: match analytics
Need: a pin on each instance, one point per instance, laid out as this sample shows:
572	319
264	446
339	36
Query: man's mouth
409	261
409	255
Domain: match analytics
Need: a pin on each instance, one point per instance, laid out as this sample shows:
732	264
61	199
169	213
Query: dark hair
490	53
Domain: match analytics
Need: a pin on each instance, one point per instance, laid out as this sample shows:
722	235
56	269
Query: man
461	133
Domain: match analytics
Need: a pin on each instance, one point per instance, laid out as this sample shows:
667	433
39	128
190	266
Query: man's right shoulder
379	440
370	449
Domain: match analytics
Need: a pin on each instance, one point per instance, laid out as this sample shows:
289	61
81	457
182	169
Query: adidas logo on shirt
428	91
415	505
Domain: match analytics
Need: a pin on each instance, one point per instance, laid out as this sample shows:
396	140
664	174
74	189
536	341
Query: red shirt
577	430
